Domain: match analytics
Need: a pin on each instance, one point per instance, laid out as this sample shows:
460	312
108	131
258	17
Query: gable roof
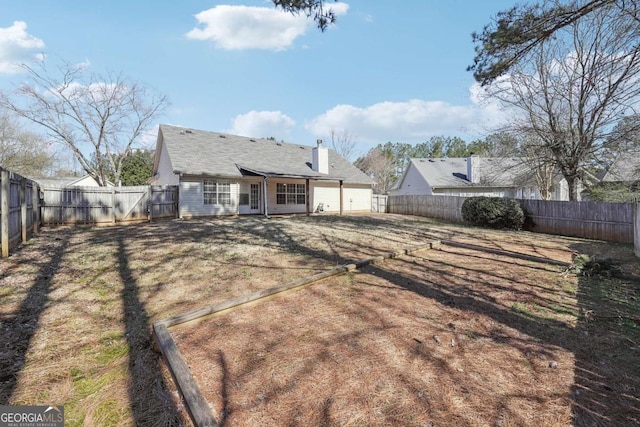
493	172
625	168
198	152
67	181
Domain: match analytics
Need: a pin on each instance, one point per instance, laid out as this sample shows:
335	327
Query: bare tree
343	143
381	167
22	151
575	87
105	115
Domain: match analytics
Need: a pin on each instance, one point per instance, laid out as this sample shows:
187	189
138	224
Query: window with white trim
216	193
291	194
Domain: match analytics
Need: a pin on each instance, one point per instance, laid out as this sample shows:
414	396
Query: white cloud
339	8
410	121
245	27
263	124
17	46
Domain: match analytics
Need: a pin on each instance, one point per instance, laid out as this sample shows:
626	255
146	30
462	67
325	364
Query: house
69	181
222	174
475	176
625	169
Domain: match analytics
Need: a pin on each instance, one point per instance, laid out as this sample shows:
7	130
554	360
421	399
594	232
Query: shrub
494	212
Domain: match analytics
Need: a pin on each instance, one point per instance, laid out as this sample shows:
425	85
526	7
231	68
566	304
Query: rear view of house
222	174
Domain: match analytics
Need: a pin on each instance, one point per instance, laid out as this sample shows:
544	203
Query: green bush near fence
494	212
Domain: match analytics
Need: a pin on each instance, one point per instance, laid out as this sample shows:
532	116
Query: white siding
357	198
276	209
413	183
354	197
192	199
165	170
327	193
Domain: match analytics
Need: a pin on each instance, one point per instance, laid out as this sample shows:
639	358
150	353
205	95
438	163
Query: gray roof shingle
198	152
493	172
626	168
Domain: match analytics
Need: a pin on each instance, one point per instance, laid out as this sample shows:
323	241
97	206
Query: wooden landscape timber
197	407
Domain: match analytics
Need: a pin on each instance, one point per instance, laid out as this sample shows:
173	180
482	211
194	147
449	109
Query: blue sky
387	71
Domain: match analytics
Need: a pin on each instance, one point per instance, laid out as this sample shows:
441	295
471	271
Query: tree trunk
572	183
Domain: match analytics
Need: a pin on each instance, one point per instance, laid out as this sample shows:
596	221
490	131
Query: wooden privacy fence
19	213
591	220
447	208
108	205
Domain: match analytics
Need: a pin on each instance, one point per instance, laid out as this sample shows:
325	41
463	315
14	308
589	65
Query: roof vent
279	144
188	131
181	132
432	161
301	147
222	136
442	160
252	140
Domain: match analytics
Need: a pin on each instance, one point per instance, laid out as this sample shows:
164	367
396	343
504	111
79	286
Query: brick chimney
473	169
320	158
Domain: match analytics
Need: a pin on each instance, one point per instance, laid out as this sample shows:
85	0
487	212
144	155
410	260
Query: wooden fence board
592	220
102	205
17	209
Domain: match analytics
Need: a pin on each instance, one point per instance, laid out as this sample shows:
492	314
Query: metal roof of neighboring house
198	152
492	171
625	168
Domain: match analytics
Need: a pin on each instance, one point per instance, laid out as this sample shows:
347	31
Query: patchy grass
76	306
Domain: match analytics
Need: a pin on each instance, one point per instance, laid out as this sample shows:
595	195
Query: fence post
113	205
5	187
150	202
23	208
35	206
636	229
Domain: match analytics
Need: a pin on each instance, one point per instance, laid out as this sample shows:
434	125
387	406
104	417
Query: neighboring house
69	181
624	170
222	174
475	176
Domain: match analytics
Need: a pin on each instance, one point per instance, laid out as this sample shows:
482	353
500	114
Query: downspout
341	196
264	197
307	195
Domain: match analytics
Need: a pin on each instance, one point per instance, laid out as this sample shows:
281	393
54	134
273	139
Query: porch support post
341	196
306	196
264	197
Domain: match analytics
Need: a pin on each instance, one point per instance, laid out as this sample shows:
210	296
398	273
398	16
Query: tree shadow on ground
17	332
606	389
150	401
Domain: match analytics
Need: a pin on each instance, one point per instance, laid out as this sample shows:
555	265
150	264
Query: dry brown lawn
450	337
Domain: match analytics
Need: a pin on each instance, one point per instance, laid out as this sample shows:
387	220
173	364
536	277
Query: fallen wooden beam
198	408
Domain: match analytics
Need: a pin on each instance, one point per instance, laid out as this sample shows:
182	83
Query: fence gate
379	203
108	205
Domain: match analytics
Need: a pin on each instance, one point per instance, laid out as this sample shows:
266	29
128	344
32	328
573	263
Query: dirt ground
532	344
